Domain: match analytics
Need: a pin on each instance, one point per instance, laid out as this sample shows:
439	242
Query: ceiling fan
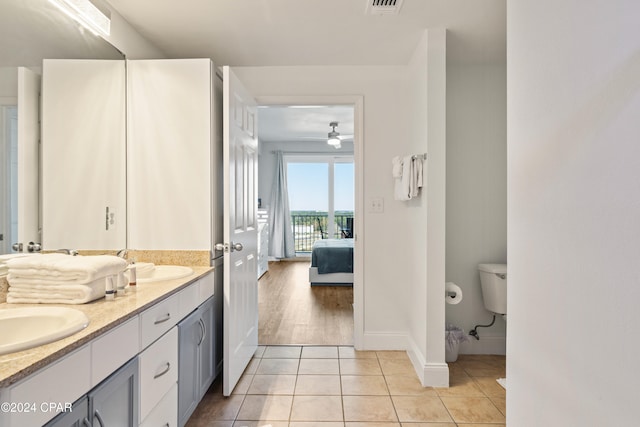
334	138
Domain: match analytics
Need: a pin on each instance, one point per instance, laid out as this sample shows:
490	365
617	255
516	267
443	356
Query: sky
308	186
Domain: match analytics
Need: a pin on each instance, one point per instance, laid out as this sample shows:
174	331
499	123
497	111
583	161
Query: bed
332	262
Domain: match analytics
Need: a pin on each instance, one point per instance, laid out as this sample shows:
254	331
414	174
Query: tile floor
328	386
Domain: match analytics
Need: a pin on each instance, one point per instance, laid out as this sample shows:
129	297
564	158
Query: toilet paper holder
453	293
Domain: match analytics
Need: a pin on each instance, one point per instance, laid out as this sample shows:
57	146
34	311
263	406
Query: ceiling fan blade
314	138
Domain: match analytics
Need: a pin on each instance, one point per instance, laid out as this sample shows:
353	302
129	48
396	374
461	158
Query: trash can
453	337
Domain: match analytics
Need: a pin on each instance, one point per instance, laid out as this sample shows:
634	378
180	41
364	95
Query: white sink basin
165	272
28	327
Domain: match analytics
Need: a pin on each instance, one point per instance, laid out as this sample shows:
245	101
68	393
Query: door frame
357	102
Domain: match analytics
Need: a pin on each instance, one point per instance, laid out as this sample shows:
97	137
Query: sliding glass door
321	198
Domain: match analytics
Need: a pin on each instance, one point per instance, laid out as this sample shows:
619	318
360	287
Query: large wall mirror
30	31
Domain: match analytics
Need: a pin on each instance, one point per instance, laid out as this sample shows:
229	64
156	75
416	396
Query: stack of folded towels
4	268
62	279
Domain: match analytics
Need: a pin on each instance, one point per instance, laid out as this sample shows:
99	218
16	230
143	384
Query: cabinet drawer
158	371
189	298
64	382
159	319
207	287
166	412
113	349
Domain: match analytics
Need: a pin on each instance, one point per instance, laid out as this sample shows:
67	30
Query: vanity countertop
103	315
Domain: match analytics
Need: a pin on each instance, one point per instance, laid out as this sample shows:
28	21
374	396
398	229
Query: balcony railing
309	227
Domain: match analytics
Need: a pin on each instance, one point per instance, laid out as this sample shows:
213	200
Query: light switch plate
376	205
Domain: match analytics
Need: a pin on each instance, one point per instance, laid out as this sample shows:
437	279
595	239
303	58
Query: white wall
128	41
385	320
476	193
573	212
9	82
426	94
395	241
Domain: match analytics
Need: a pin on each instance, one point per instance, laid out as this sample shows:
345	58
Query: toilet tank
493	280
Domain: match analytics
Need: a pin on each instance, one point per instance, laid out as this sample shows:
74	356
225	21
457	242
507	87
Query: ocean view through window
321	198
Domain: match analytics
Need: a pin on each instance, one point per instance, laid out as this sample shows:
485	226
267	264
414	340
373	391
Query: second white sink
27	327
166	272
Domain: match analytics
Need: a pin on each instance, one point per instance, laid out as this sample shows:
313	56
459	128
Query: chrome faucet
71	252
124	254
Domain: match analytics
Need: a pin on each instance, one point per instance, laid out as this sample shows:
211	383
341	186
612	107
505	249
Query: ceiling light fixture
86	14
333	136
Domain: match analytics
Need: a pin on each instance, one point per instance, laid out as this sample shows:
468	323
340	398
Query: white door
28	158
240	158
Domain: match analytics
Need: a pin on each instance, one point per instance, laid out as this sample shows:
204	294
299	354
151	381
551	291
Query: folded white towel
56	294
6	257
61	267
4	268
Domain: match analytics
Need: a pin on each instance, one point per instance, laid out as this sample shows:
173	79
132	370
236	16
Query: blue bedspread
332	256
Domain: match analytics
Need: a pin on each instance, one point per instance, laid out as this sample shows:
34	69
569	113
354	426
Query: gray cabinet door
207	348
114	402
78	417
196	358
189	336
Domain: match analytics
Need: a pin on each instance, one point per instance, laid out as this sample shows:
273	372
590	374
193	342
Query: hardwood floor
293	312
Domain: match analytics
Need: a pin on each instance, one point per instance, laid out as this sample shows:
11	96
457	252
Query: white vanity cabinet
83	154
65	381
129	375
173	154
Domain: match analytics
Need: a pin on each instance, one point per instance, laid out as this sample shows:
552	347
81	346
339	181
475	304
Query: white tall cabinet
147	182
83	154
173	153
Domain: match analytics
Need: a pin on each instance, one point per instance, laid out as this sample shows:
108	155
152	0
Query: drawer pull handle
98	417
203	329
164	319
156	376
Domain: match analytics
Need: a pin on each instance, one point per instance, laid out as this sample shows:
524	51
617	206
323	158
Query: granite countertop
103	315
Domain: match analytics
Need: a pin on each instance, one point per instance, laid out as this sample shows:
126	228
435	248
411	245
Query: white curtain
281	243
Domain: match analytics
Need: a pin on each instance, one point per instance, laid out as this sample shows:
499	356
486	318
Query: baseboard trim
384	341
430	374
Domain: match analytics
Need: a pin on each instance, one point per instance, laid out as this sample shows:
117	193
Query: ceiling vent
383	7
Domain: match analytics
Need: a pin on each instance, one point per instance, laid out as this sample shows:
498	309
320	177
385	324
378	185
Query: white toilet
493	280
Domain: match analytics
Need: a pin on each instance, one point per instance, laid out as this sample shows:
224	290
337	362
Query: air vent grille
383	7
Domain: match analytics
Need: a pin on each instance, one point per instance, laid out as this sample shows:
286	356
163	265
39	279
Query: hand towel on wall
408	175
400	173
415	183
